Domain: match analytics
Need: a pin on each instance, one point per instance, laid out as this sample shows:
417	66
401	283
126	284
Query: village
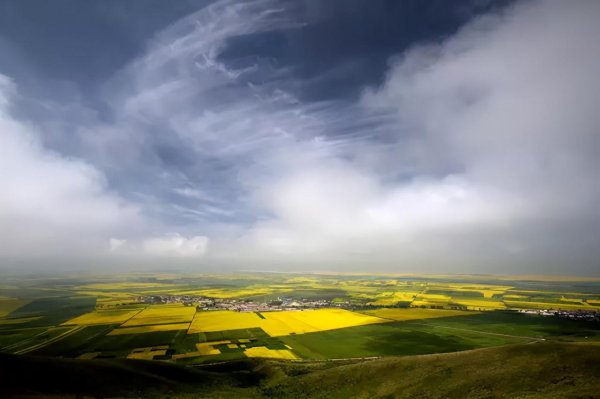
582	315
239	305
203	303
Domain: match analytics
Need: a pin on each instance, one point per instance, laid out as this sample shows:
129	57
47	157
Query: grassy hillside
541	370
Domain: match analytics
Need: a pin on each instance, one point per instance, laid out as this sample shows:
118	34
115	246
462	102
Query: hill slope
543	370
527	371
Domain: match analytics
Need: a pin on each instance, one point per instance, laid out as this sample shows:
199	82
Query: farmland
498	370
164	314
281	323
103	317
198	319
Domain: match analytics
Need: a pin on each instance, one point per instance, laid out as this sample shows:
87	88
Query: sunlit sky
342	135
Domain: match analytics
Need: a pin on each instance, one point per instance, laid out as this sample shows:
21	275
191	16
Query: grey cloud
51	205
476	154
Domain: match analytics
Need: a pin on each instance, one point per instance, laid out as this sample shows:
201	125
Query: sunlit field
104	317
415	314
281	323
147	353
261	351
162	314
213	318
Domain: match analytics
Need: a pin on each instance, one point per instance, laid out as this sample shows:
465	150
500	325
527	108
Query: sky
300	135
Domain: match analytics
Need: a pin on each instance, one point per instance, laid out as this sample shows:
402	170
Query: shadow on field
414	343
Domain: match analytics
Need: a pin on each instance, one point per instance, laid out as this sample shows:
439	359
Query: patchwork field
216	318
261	351
152	328
414	314
392	298
147	353
162	314
227	293
103	317
8	305
281	323
479	304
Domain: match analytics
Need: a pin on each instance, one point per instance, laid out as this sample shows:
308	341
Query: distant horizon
150	272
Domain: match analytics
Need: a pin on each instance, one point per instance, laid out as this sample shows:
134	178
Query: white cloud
508	102
115	244
497	130
176	246
49	204
478	151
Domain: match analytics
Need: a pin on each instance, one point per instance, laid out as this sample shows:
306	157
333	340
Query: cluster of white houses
586	315
240	305
288	303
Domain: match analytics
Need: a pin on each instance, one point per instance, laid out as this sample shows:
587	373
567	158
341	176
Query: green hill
521	371
542	370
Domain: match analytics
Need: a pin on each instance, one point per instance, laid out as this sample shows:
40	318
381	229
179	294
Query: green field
54	311
11	337
437	335
518	324
74	344
402	338
93	306
115	343
431	337
538	371
234	334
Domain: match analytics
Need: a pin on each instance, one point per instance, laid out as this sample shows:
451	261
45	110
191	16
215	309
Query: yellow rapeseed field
222	320
415	313
392	298
226	293
281	323
152	328
147	354
208	348
434	297
162	314
103	317
580	300
203	349
478	304
488	291
105	299
514	296
285	323
262	351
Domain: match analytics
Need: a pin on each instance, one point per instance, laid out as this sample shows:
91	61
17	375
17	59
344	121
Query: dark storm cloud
340	46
